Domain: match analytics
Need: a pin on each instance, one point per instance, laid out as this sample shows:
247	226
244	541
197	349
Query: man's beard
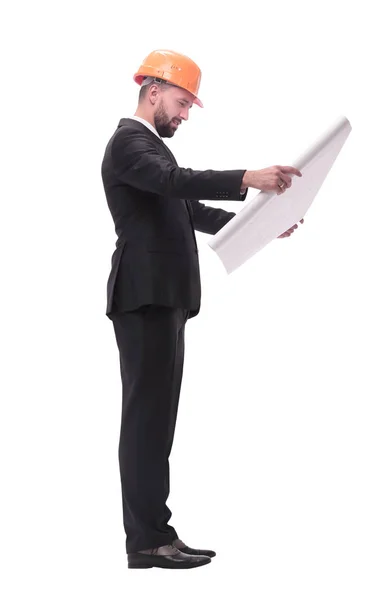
162	124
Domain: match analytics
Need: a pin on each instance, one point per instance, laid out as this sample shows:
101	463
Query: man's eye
182	103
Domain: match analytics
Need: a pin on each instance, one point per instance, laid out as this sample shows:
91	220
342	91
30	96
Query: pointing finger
291	170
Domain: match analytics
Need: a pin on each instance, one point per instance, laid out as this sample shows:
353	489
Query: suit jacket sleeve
210	220
137	162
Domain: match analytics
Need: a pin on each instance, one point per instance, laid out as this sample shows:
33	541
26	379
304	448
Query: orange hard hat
172	67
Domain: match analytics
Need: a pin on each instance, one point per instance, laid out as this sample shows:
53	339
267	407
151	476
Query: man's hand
277	179
290	231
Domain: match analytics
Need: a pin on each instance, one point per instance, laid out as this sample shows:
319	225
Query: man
154	288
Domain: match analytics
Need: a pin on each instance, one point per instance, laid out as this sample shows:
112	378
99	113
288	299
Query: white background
268	465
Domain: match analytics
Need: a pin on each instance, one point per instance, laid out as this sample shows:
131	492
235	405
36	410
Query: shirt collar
147	124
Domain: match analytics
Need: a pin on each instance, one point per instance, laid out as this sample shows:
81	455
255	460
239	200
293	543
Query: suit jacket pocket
171	245
158	244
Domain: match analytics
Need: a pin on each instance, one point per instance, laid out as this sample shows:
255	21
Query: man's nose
184	114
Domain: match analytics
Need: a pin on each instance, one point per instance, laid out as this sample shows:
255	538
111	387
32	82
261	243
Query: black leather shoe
195	552
175	560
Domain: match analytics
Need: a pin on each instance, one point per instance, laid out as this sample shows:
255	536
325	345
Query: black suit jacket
155	207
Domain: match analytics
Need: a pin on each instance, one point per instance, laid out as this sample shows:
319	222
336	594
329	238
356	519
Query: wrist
246	180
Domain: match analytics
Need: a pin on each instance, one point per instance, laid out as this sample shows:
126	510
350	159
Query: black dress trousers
151	346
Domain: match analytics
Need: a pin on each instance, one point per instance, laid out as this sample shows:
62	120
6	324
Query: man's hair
147	83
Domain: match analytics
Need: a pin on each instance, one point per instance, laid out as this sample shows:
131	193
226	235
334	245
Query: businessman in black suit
152	290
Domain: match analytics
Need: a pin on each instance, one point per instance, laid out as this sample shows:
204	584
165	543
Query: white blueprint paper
268	215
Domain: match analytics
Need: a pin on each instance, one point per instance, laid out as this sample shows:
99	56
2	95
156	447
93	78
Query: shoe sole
143	565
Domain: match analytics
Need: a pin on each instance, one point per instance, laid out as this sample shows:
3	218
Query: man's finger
291	170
